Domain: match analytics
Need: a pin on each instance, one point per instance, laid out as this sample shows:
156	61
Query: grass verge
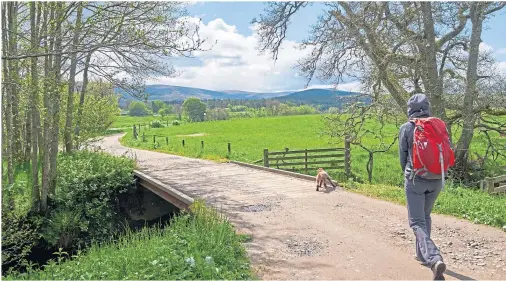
201	245
474	205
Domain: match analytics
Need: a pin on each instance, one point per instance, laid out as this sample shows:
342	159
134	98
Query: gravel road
299	233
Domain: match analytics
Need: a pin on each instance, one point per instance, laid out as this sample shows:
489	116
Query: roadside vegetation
200	245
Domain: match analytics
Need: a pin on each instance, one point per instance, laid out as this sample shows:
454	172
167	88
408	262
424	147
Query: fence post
135	133
490	185
183	143
143	137
154	138
167	140
229	149
305	159
266	157
167	123
202	144
347	158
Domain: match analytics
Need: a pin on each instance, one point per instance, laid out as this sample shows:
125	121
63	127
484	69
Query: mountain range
174	93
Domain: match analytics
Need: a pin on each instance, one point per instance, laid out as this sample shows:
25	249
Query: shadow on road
458	275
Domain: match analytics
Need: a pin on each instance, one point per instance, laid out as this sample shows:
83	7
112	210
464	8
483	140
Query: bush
217	114
201	246
85	207
168	109
157	124
137	108
176	123
19	236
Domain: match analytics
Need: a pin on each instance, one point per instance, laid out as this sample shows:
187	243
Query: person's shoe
437	270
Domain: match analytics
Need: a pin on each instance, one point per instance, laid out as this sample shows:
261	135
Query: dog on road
321	178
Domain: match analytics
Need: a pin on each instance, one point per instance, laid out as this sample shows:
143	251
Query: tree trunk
433	84
81	98
14	82
72	82
469	117
56	99
47	105
7	92
33	108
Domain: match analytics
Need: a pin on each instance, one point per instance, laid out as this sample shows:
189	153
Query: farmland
249	137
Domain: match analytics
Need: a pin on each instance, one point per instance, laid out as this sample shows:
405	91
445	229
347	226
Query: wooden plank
325	168
303	151
308	157
500	189
499	178
176	197
309	163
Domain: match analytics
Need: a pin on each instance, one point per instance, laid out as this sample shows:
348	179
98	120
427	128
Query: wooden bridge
169	194
298	233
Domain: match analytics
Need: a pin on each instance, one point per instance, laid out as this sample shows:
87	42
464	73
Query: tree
156	105
137	108
399	49
166	110
357	123
194	109
48	46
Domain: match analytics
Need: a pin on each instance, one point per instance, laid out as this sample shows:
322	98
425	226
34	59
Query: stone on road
298	233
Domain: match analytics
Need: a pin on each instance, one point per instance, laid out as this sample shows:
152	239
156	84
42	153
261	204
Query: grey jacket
418	107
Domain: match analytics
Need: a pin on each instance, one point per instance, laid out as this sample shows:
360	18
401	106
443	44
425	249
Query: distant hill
324	97
173	93
255	95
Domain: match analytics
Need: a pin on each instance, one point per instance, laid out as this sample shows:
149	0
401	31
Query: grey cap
418	106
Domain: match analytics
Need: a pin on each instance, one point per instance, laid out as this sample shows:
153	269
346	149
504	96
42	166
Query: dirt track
299	233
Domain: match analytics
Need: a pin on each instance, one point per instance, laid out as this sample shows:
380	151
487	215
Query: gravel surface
298	233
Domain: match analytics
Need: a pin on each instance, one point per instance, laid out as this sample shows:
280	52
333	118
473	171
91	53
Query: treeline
53	53
196	110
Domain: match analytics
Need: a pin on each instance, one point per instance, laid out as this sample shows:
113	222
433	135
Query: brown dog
321	178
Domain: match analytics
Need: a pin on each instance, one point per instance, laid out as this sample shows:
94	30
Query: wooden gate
309	159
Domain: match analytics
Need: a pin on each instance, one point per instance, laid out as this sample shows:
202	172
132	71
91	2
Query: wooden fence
165	139
332	158
494	185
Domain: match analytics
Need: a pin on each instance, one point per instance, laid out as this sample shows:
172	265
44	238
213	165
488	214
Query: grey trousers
421	196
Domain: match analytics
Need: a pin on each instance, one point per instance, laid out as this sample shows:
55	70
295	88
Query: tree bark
33	108
7	92
81	98
469	116
14	82
47	105
56	99
72	82
434	85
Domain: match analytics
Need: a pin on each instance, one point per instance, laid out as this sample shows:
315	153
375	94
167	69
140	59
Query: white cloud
484	47
234	63
502	66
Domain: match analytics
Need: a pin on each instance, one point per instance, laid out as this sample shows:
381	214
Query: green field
249	137
128	121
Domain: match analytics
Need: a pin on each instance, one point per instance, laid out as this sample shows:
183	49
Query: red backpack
432	153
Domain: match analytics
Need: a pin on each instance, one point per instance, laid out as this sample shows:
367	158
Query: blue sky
234	63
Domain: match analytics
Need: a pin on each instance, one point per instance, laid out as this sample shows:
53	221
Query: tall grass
474	205
201	245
